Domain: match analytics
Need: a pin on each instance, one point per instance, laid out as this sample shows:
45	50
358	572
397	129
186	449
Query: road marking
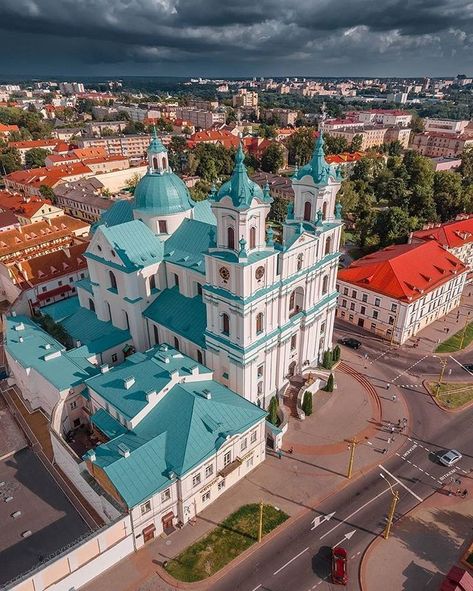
354	513
461	365
452	471
409	368
258	587
320	519
409	451
346	537
292	560
401	483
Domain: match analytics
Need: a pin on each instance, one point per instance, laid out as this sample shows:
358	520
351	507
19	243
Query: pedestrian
394	398
389	440
388	385
448	330
399	423
392	429
385	451
279	454
464	493
404	420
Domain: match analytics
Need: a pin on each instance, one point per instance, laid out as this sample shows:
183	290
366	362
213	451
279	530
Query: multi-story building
450	126
28	209
284	117
441	145
97	128
7	130
371	135
248	99
132	147
396	292
200	118
388	117
29	182
82	199
48	145
456	237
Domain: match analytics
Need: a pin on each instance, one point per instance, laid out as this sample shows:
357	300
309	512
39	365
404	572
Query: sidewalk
295	483
423	545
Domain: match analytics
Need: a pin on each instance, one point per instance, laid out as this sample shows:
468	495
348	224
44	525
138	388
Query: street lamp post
351	446
392	508
443	364
260	528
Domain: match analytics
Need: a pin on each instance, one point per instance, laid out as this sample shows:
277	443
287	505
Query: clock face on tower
224	273
259	273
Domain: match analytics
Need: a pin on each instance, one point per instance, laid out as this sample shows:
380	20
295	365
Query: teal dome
240	188
318	168
162	194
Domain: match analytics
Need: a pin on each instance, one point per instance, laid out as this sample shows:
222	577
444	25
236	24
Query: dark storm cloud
217	37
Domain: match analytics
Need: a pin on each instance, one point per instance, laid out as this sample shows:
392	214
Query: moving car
449	458
339	566
351	342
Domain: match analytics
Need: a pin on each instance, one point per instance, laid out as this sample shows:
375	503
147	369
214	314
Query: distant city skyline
209	38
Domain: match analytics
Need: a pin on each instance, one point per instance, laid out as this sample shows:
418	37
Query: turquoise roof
47	356
107	424
85	284
134	244
179	433
318	168
120	212
97	335
232	257
62	309
203	212
240	188
156	146
187	246
185	316
162	193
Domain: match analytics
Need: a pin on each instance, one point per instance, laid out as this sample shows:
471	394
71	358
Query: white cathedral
210	280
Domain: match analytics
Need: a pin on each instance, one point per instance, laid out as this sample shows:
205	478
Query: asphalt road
299	558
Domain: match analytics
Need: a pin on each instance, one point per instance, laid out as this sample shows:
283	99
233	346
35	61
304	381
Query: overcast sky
236	38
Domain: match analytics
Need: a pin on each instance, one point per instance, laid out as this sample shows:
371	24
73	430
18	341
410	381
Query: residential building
132	147
446	163
284	117
450	126
371	135
199	117
83	199
388	117
36	281
397	97
8	221
100	128
279	186
7	130
71	87
29	182
28	209
396	292
48	145
455	236
441	145
245	99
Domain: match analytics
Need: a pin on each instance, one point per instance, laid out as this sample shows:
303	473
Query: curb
444	408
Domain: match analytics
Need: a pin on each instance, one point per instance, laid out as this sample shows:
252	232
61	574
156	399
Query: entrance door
361	322
292	369
148	533
167	521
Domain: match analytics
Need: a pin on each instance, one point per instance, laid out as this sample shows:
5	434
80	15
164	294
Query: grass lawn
224	543
454	343
453	395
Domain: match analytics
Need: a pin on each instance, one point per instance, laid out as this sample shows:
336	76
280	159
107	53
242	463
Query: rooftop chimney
128	382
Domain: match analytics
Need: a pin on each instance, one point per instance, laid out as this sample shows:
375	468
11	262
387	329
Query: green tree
327	361
307	403
278	210
47	193
200	191
348	196
337	353
35	158
10	160
177	151
272	158
231	116
394	148
330	383
466	167
393	226
335	145
273	411
356	143
365	218
132	182
267	131
301	145
450	198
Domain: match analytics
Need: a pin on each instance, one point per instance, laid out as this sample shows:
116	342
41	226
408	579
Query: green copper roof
107	424
62	309
240	188
185	316
203	213
187	246
134	243
156	146
162	193
39	350
179	433
120	212
318	168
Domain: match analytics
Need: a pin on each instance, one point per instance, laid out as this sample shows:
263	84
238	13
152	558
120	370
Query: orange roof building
6	130
28	209
30	181
398	291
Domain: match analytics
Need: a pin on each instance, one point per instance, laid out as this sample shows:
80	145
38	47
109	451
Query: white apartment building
445	125
396	292
394	117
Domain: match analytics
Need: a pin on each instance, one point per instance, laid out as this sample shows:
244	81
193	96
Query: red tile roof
8	128
47	176
20	205
29	144
404	272
449	235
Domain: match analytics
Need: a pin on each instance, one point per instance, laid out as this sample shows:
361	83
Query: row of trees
389	200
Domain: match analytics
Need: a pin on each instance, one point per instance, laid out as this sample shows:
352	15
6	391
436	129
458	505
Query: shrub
307	403
273	411
330	382
337	353
328	360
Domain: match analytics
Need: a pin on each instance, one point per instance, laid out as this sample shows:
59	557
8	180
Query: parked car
339	566
350	342
468	367
449	458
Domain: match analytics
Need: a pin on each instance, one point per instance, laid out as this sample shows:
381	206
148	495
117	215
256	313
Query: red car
339	566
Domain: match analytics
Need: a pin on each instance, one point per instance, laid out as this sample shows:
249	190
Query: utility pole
392	510
352	445
260	528
443	365
464	332
395	324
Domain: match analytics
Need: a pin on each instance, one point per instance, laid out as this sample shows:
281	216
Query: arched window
127	321
324	211
292	300
307	211
113	280
91	305
300	259
296	301
225	324
156	334
231	238
200	358
328	245
109	310
176	344
259	388
155	162
259	322
253	237
325	285
164	163
152	282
